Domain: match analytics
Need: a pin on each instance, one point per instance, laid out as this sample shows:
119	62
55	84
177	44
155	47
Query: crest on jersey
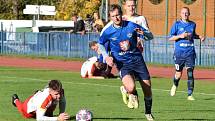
129	35
181	29
124	45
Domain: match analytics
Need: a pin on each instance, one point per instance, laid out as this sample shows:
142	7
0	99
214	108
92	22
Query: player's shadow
117	119
194	119
209	99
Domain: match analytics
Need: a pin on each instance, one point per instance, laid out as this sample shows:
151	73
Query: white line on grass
102	85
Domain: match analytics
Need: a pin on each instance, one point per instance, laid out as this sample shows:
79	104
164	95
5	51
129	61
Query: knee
130	89
190	74
178	75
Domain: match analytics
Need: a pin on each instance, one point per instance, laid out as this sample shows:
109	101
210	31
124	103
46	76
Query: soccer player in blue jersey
122	37
131	15
183	33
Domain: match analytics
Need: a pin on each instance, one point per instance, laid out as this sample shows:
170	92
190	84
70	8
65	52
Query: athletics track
155	71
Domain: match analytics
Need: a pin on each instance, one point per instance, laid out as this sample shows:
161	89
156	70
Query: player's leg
142	72
190	83
190	63
129	86
22	107
146	87
176	80
179	65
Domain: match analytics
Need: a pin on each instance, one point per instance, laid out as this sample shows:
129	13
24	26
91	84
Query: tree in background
13	9
82	7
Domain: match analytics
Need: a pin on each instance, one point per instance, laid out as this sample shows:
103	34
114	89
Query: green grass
103	97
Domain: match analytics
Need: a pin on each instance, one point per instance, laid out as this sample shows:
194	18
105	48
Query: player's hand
63	117
185	35
139	31
202	38
109	61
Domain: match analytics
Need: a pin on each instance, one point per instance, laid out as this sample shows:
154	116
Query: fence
159	50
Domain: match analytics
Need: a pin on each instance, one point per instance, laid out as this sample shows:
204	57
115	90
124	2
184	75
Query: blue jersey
123	41
100	58
184	46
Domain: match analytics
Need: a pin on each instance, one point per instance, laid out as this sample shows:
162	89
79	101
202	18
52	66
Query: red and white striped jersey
39	103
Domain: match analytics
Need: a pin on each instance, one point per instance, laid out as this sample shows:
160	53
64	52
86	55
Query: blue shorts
181	62
138	70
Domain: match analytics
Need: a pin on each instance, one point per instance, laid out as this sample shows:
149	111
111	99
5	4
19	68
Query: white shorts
87	67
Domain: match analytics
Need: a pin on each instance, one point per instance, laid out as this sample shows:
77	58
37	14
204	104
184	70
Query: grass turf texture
103	97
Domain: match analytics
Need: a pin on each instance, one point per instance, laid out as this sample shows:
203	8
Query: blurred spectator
88	23
78	24
98	24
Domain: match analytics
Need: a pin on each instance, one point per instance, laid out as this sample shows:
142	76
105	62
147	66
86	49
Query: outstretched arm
108	59
40	116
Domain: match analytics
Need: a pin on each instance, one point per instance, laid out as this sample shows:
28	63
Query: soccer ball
84	115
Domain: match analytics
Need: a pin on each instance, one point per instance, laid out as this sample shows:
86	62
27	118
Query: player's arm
195	36
108	59
144	33
101	42
173	33
41	110
40	116
177	37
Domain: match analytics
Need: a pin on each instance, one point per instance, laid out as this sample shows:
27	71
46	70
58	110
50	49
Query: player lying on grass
42	104
91	68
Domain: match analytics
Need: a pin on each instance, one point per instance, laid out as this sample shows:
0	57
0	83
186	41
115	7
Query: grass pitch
103	97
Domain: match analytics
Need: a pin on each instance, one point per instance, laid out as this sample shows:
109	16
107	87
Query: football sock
148	105
135	92
190	86
176	81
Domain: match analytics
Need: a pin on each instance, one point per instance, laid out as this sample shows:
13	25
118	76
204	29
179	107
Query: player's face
96	15
55	94
95	48
116	17
74	18
130	7
185	14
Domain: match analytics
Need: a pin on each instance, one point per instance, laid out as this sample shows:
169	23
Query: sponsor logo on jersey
181	29
114	38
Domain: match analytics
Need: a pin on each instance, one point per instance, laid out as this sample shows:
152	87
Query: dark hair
130	0
55	85
74	14
114	7
93	43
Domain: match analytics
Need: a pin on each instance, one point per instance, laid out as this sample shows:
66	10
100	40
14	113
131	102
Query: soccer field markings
102	85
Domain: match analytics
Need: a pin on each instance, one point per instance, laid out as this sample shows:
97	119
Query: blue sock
190	87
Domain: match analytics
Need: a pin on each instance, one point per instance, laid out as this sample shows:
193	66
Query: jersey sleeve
40	112
173	30
144	23
147	34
